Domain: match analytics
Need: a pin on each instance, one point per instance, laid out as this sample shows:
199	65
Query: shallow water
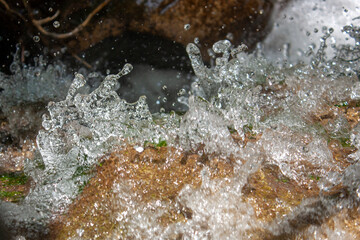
240	93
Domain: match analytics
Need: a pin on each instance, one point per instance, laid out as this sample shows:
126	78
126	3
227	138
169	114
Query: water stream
271	94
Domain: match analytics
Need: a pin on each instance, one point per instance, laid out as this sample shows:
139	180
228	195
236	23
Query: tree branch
38	23
7	8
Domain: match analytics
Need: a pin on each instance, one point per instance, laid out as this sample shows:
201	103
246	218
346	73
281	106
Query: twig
38	23
12	11
48	19
86	64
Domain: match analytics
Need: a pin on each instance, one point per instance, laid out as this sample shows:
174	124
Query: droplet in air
51	9
192	49
126	69
187	27
56	24
221	46
196	40
181	92
230	36
36	38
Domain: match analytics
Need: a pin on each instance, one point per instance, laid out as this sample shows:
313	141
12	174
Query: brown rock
157	173
209	21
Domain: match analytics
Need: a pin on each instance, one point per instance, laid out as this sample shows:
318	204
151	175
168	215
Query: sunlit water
239	91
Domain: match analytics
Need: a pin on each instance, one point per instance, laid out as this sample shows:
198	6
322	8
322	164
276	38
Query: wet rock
14	186
208	21
128	180
273	194
154	177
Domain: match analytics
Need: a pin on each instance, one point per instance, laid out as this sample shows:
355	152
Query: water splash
241	97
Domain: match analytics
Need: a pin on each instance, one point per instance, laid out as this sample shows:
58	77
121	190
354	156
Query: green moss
11	179
284	180
315	178
12	196
248	128
342	104
345	142
81	171
232	130
160	143
82	186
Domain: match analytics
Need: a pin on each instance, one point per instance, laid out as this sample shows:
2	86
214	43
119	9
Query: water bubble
14	67
230	36
139	149
221	46
192	49
36	38
181	92
56	24
187	27
126	69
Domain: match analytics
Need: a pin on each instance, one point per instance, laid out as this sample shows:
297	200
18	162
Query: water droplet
51	9
221	46
181	92
36	38
230	36
187	27
324	29
56	24
126	69
139	149
196	40
164	99
164	87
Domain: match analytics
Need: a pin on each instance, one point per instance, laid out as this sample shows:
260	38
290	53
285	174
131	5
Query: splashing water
242	95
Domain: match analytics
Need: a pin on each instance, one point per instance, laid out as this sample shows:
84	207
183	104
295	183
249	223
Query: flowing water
241	92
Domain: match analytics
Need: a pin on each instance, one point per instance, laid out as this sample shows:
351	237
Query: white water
241	90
